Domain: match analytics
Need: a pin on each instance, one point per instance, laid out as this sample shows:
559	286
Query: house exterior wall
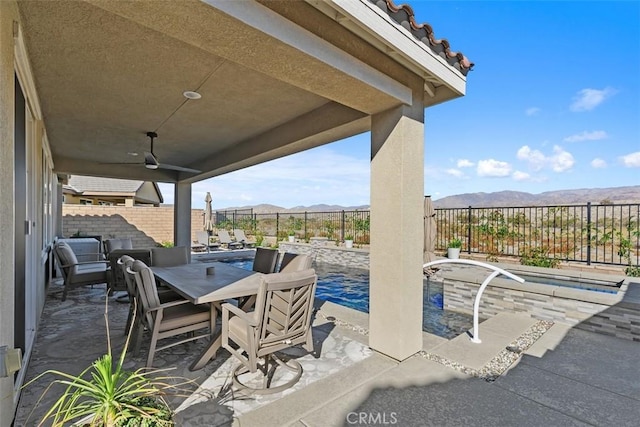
8	13
26	215
145	225
147	194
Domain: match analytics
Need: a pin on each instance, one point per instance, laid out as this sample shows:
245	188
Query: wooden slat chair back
281	319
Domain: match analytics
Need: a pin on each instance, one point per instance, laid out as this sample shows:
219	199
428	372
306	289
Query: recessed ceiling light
131	153
189	94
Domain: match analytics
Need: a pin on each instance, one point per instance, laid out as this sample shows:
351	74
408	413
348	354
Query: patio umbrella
429	231
208	214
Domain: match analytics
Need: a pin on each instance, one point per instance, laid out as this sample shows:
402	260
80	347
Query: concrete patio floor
566	377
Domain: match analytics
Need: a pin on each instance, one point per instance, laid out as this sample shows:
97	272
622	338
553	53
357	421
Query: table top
193	283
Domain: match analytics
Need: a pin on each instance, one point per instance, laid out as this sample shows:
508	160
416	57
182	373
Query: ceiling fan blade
178	168
150	161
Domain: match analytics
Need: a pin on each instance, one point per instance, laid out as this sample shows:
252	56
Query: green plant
104	394
166	244
259	238
538	257
455	243
632	271
348	237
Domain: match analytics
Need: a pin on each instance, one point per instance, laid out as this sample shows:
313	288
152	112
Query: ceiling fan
151	161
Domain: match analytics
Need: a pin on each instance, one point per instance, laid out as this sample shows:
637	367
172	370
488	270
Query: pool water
349	287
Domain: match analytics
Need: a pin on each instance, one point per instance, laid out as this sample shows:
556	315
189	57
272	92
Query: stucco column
397	192
182	215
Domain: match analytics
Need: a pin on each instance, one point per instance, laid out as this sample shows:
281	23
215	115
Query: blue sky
552	103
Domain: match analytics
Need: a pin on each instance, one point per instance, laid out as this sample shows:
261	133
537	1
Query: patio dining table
209	283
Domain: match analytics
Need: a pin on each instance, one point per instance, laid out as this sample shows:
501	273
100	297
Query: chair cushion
238	331
66	256
184	314
91	272
113	244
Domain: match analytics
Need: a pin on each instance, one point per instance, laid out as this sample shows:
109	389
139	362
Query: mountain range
617	195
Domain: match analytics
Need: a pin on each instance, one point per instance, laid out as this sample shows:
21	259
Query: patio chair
114	244
242	238
169	319
169	257
265	260
294	262
117	278
225	240
77	273
135	306
281	319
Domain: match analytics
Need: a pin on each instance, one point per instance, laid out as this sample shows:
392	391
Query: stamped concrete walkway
566	377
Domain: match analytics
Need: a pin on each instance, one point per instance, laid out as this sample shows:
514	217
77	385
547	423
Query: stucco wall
146	226
8	13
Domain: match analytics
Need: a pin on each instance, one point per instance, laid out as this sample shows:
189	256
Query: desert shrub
538	257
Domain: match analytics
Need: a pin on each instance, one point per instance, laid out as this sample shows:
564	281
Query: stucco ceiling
106	72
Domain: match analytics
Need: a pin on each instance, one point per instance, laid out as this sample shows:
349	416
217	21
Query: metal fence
607	234
335	225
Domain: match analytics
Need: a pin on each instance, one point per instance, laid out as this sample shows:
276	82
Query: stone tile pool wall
610	314
327	252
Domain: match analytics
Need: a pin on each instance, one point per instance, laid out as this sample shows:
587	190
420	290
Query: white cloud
493	168
521	176
598	163
535	158
464	163
532	111
588	99
320	175
587	136
631	160
454	172
561	160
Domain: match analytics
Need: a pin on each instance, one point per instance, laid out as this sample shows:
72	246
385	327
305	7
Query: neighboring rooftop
115	190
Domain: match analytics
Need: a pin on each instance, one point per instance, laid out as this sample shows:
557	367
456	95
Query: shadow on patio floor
72	334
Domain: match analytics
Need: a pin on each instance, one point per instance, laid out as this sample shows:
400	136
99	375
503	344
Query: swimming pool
349	287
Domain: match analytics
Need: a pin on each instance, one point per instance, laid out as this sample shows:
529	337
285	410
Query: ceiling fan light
189	94
151	165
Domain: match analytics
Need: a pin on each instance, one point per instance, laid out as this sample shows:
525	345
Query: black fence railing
336	225
606	234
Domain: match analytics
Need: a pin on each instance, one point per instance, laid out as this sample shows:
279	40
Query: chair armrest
170	304
84	263
246	316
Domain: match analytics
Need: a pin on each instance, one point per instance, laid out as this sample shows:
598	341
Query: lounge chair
225	240
202	242
77	273
281	319
166	320
242	238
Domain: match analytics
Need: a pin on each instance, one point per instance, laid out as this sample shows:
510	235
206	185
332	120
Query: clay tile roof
405	16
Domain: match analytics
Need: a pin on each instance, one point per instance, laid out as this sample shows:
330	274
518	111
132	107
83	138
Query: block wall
146	226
